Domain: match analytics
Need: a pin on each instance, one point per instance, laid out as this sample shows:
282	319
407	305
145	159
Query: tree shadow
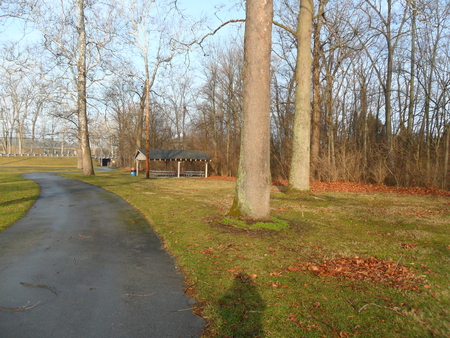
241	309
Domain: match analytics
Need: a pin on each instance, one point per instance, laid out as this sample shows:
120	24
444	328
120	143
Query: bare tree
385	21
252	200
150	32
219	105
316	106
83	131
72	56
300	163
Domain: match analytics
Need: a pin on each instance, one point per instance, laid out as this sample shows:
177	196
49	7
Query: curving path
84	263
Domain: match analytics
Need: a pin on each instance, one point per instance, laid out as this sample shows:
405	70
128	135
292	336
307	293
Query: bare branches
286	28
137	295
217	29
20	308
41	286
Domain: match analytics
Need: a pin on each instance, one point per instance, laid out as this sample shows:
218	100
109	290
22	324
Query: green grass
241	276
17	195
274	224
246	281
18	161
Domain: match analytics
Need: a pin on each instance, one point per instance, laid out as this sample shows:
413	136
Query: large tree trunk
88	168
252	200
300	163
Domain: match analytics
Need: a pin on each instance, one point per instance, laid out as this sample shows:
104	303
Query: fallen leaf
278	273
294	268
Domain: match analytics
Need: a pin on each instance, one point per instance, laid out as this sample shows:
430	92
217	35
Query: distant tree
153	31
72	42
219	106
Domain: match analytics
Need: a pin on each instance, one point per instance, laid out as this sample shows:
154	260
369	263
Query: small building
179	156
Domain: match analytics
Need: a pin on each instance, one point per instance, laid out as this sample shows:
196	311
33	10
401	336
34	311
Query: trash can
133	171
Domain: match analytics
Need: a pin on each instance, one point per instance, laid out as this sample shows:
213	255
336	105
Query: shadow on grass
241	309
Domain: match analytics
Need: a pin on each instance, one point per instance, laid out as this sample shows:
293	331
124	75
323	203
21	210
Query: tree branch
218	28
286	28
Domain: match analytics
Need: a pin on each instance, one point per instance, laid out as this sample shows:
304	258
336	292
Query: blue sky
217	12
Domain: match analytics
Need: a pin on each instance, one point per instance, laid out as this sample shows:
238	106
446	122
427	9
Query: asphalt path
84	263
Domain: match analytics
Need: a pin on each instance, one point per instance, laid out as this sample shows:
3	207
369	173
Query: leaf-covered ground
369	269
356	187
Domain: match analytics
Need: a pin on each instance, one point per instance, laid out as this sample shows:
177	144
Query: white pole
178	174
206	169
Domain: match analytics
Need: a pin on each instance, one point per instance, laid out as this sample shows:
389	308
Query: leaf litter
356	187
370	269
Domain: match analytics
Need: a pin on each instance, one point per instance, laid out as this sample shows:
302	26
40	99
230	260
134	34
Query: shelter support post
206	169
179	168
137	167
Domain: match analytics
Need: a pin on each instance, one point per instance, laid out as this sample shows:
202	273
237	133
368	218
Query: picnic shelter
179	156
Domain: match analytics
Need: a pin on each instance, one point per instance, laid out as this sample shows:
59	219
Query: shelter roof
173	155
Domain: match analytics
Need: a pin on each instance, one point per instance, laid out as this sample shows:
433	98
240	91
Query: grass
17	195
274	224
247	281
18	161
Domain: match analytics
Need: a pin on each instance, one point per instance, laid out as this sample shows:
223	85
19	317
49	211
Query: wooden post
206	169
179	166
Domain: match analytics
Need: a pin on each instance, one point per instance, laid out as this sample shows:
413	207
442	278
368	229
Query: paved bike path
80	265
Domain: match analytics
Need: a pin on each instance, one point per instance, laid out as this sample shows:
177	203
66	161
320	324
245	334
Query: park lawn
17	195
348	264
25	161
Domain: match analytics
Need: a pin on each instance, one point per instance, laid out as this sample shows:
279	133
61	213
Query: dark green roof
174	155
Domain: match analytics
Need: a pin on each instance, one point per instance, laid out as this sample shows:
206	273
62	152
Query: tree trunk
427	108
147	118
446	178
300	163
364	117
252	200
316	114
409	143
140	117
330	124
88	168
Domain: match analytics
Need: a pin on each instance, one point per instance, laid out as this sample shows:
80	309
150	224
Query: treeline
380	85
